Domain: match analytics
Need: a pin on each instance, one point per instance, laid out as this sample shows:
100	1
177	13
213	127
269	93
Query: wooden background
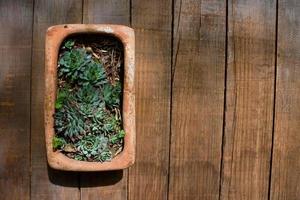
218	100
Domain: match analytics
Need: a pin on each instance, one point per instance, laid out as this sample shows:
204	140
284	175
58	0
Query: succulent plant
93	146
98	119
111	124
69	44
88	94
91	107
119	136
104	156
93	74
58	142
68	122
72	63
112	94
61	97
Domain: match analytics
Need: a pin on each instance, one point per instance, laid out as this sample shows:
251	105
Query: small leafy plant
88	123
58	142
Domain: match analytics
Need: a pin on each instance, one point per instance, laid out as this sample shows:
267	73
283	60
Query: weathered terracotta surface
54	37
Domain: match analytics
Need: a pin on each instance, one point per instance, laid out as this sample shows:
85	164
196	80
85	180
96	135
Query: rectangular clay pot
54	37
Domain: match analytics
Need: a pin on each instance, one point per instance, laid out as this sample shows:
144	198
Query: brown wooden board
107	12
105	185
197	99
249	99
15	56
152	22
47	183
286	161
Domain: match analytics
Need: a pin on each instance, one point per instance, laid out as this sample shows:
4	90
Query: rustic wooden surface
15	66
249	99
152	22
286	162
218	113
197	98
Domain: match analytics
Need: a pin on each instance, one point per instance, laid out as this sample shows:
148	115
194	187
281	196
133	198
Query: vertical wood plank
47	183
105	185
152	22
15	56
197	98
286	150
249	100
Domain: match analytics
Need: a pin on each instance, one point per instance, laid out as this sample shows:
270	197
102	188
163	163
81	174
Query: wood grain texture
15	56
152	22
286	162
249	100
107	12
105	185
47	183
198	98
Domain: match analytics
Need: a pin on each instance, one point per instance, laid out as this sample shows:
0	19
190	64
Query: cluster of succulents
87	119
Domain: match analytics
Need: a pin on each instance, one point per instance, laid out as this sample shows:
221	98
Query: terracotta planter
54	37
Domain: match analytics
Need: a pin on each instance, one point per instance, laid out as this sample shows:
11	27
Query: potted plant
89	97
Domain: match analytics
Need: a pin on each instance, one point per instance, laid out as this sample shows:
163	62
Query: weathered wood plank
286	162
15	56
45	182
152	21
198	98
107	11
111	185
249	99
105	185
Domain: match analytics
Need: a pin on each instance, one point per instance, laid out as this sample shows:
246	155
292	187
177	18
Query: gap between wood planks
274	102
